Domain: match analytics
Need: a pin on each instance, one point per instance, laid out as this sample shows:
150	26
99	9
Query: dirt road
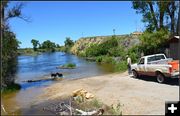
137	96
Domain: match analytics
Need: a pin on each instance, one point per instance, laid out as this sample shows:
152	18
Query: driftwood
2	107
65	109
44	79
94	112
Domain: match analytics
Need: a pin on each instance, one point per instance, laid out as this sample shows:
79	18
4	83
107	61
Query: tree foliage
109	47
153	42
35	44
9	43
48	45
68	42
156	14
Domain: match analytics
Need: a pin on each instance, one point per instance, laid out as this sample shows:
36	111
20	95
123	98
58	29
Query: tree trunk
153	15
161	17
171	13
173	18
178	22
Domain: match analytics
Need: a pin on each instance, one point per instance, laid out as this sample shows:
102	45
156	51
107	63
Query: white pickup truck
156	65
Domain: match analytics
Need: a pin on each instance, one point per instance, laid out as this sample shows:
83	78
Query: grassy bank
11	88
112	51
28	51
31	52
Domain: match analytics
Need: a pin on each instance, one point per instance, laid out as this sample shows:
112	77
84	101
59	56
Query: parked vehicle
156	65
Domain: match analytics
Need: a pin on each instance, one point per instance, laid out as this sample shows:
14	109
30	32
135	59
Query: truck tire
160	78
135	74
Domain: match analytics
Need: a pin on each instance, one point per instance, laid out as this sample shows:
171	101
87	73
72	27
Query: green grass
121	66
95	104
69	65
116	110
11	88
28	51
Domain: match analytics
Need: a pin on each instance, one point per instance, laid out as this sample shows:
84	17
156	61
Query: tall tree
9	42
154	13
68	42
178	21
171	12
48	45
35	44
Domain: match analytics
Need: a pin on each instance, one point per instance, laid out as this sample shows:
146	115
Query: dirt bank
138	96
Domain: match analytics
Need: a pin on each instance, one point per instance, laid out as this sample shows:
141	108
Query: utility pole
114	31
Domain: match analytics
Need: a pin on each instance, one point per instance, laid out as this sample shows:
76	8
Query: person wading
129	64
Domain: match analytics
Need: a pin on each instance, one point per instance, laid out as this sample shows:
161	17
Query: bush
11	88
99	59
134	54
121	66
93	50
105	59
116	51
103	48
82	54
153	42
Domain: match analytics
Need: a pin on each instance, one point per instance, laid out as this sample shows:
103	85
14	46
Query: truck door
141	66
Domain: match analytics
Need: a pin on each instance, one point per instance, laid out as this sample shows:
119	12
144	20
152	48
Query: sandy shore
137	96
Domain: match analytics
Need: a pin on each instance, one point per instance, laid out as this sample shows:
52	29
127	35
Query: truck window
159	57
150	59
141	61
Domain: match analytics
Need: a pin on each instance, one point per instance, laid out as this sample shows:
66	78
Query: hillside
82	44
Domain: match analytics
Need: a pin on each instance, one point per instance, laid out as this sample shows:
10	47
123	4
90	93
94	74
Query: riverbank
31	52
137	96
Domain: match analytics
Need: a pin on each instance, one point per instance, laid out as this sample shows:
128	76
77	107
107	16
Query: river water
36	67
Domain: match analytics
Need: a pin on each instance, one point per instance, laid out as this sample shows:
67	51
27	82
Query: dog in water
56	74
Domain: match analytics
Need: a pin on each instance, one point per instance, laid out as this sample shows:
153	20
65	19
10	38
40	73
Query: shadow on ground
169	81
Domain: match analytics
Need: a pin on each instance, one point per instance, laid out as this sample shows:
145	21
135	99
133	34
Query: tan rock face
83	43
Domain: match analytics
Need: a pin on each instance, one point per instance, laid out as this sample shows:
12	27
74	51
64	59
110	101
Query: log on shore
44	79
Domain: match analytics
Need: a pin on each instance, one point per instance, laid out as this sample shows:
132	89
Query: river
35	67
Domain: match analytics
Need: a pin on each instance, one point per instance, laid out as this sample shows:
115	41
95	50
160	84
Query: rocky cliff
123	40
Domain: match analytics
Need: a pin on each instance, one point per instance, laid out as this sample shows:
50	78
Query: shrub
93	50
99	59
153	42
11	88
116	51
121	66
107	59
102	49
134	54
82	54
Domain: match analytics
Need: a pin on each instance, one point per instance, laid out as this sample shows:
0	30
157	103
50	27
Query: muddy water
35	67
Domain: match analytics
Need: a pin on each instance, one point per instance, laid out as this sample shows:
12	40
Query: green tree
153	42
156	13
68	42
57	46
9	42
48	45
35	44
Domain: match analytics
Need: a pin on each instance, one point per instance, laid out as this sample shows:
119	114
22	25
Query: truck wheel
135	74
160	78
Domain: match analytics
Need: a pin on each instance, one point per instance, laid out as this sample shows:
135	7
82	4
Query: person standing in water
129	64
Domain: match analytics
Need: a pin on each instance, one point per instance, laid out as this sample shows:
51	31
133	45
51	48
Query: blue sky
57	20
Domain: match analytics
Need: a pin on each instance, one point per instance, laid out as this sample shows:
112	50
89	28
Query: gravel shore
142	96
